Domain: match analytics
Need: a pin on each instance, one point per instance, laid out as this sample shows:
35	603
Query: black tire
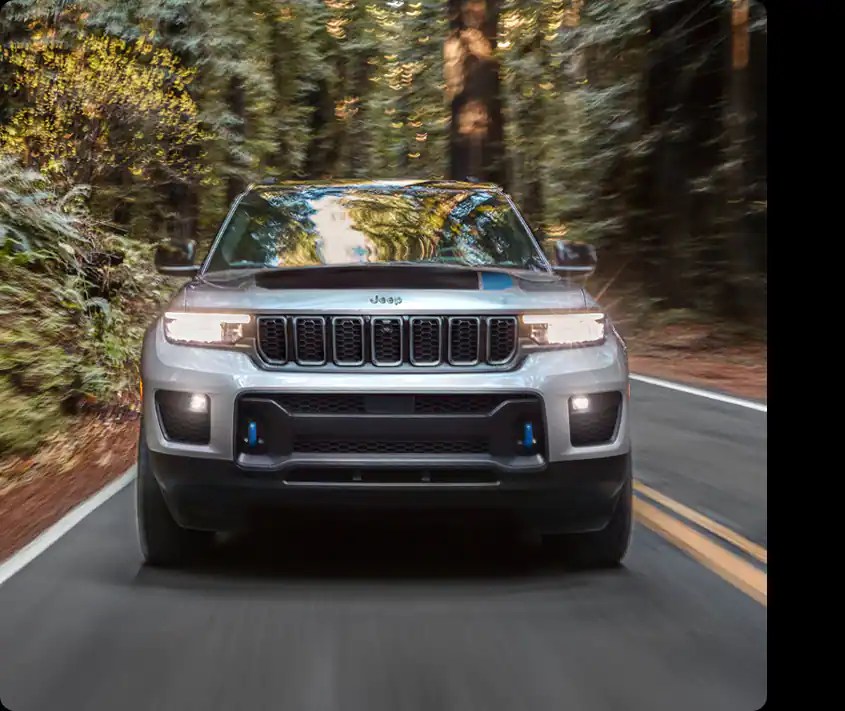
605	548
163	541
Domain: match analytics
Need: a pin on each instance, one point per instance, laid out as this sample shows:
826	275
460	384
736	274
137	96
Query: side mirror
574	258
176	258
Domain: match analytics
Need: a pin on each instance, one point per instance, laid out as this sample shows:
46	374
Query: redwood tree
472	87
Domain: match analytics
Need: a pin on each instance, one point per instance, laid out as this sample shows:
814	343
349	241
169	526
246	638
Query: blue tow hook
252	433
528	440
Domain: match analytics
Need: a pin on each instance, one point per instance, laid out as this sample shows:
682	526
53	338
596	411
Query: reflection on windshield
353	225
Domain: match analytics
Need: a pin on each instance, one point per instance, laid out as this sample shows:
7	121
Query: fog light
198	403
580	403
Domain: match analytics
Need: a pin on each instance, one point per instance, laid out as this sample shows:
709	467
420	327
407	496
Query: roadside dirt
700	356
37	491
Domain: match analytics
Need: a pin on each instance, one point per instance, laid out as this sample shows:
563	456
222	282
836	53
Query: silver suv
388	345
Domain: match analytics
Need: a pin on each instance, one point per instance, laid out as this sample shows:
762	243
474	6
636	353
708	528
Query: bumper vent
468	424
355	404
598	424
349	341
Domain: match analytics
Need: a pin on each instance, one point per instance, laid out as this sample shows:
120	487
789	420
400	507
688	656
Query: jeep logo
385	299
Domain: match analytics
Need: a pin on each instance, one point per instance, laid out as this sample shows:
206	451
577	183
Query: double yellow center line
731	567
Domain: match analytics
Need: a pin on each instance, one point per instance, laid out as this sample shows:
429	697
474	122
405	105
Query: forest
636	125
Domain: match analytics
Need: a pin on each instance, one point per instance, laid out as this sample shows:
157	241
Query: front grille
178	421
596	425
460	341
376	446
355	404
273	338
310	339
425	340
501	339
387	340
348	340
464	340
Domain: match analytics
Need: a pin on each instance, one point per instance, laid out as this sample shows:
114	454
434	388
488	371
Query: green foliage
95	103
574	74
69	329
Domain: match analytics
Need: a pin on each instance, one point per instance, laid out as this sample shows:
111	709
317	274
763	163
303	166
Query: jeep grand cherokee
400	345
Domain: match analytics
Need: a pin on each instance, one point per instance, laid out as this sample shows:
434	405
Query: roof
270	184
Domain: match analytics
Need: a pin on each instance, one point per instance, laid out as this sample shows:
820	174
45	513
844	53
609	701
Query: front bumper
225	376
558	488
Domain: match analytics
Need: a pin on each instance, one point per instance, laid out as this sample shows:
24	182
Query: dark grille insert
425	340
387	340
461	341
416	446
487	424
457	404
310	334
178	421
348	340
272	338
597	425
322	404
501	339
436	404
464	340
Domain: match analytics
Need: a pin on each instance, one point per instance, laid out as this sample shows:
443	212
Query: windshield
351	225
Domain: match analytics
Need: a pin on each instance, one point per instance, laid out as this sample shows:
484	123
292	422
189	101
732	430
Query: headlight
575	329
205	328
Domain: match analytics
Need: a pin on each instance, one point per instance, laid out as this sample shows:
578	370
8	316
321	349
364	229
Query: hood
387	288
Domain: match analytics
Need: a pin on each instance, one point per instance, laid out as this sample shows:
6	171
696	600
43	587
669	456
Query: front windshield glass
312	226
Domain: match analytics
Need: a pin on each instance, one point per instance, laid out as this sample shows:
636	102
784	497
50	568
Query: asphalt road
401	619
708	454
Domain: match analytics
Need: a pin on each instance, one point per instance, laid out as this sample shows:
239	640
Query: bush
75	299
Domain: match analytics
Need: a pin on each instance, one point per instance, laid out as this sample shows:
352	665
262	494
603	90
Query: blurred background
636	125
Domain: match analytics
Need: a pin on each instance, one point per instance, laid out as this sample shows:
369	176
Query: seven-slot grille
387	340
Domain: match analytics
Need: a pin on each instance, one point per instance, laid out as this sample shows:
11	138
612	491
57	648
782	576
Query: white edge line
32	550
760	407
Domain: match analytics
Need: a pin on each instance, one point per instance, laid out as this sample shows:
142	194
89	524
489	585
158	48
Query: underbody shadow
335	552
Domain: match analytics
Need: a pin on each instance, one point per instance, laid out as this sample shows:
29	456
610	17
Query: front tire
163	542
605	548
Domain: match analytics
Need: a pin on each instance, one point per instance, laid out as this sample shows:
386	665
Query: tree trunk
476	138
741	298
318	158
236	100
669	200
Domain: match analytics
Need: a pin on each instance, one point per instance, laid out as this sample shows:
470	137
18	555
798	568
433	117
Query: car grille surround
386	341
